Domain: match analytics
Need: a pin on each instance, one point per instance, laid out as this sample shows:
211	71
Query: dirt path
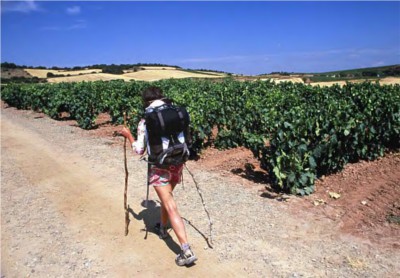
62	216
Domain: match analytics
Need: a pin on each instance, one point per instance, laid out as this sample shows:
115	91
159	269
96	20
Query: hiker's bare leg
169	205
164	214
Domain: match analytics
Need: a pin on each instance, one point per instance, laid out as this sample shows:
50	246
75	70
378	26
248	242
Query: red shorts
165	176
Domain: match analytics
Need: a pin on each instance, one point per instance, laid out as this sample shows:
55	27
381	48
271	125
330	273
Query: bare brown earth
62	212
369	193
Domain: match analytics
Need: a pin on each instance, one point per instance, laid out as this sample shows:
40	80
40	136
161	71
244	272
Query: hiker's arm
140	144
127	134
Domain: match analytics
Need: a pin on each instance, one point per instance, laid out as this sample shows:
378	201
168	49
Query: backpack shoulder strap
181	117
161	119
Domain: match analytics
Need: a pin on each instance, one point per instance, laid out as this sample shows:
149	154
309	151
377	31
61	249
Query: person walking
163	178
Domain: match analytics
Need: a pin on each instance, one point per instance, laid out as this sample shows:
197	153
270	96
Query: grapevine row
298	132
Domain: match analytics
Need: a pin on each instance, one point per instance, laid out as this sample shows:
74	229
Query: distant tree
50	75
21	79
6	65
395	71
281	73
369	73
113	69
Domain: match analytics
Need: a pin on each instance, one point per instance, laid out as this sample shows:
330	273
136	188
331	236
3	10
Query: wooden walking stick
126	184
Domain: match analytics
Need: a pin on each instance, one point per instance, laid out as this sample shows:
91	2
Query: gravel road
62	216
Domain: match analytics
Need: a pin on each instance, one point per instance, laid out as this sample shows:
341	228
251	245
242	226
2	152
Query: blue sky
239	37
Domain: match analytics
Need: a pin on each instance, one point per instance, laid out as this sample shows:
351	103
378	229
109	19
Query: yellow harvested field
153	75
328	84
150	74
280	80
158	73
221	74
294	80
88	77
149	68
383	81
390	80
158	68
42	73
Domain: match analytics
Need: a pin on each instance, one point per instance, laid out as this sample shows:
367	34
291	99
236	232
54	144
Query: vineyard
296	131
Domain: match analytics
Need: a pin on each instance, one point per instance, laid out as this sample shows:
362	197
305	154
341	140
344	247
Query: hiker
162	177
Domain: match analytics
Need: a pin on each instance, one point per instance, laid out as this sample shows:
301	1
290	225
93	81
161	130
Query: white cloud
26	6
74	10
79	24
379	63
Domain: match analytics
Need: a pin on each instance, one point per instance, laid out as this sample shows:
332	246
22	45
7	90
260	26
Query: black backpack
171	122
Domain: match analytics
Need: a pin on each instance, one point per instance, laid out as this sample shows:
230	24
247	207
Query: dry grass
383	81
340	83
293	79
88	77
220	74
280	80
149	74
390	80
153	75
356	263
11	73
158	68
328	84
42	73
139	68
157	73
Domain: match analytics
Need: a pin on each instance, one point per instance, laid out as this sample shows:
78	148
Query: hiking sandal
186	257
